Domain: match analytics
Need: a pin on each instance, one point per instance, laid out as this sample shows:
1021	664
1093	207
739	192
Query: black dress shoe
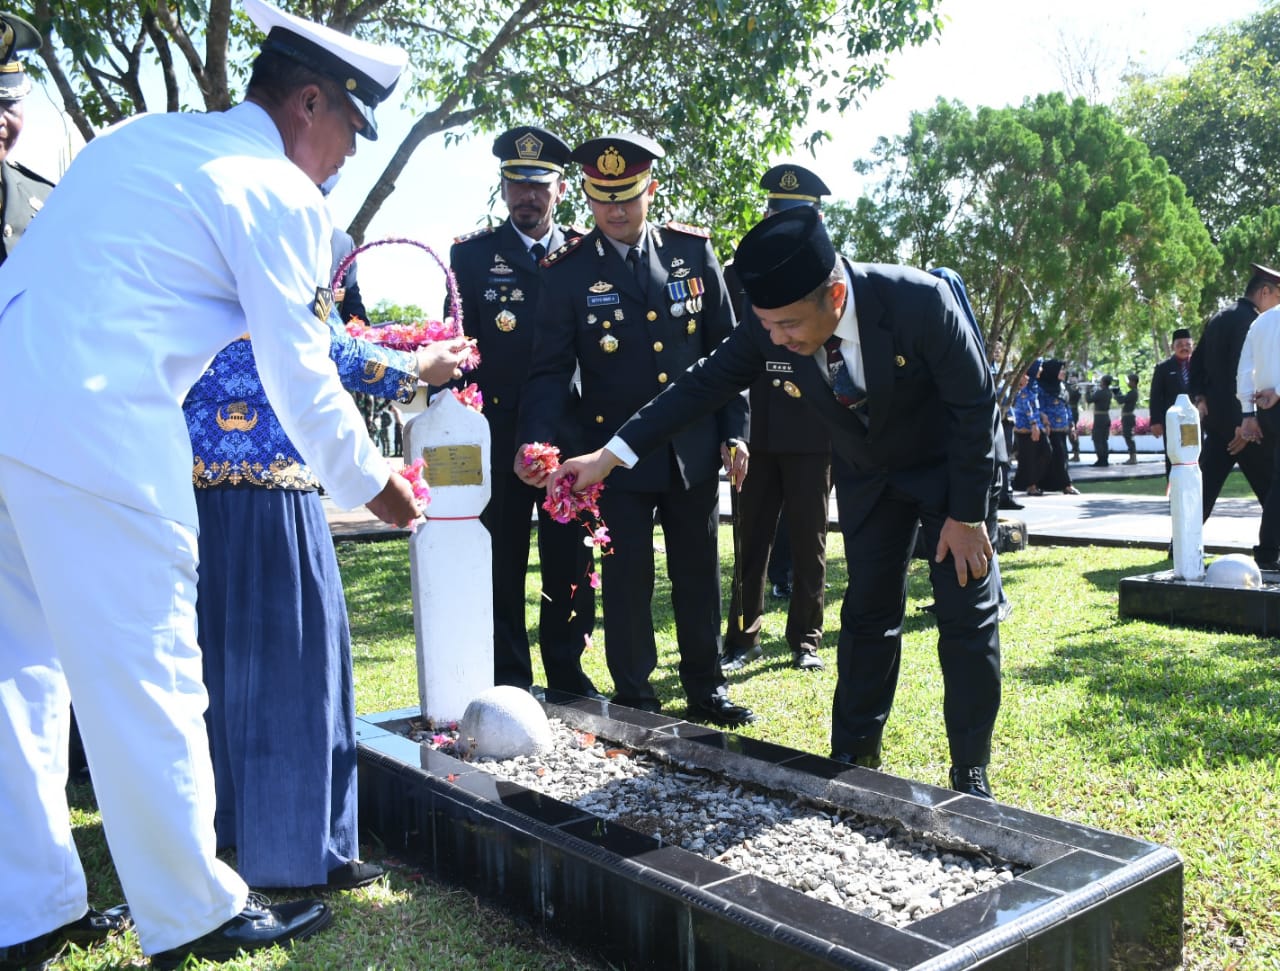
806	659
259	925
95	926
353	874
1008	502
739	657
971	780
719	710
867	761
781	591
34	953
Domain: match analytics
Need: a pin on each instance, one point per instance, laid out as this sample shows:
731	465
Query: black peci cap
530	154
1181	333
784	258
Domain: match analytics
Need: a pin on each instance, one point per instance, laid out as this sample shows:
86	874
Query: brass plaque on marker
453	465
1190	435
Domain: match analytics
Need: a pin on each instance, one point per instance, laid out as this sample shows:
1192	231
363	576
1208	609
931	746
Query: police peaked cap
784	258
615	168
15	35
367	72
790	185
531	154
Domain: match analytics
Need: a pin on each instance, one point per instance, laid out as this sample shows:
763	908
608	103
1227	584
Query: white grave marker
450	559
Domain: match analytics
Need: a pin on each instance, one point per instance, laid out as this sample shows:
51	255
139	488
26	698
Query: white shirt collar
528	241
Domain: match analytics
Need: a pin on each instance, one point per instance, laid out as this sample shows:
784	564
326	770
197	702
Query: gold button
599	419
662	378
651	315
777	383
657	346
496	399
607	324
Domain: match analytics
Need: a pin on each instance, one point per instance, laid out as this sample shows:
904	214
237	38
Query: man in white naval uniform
167	238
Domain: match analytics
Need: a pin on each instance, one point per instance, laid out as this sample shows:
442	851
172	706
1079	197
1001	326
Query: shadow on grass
1169	701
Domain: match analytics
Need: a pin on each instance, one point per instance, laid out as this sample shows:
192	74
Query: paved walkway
1096	519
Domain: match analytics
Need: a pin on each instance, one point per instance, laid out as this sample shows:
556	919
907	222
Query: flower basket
412	335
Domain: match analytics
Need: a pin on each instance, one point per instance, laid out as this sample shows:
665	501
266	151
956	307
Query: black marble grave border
1165	599
1090	898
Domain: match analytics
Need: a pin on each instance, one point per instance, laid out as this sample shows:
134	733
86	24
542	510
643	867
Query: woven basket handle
455	305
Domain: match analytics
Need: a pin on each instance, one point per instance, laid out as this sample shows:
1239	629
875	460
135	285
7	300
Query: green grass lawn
1165	734
1236	486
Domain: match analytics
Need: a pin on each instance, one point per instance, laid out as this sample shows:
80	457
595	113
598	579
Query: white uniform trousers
97	603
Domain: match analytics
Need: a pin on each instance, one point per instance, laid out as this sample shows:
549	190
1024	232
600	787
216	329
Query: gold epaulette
556	255
689	230
477	234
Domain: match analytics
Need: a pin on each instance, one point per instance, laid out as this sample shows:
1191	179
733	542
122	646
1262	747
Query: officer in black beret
499	280
631	305
887	361
784	500
22	192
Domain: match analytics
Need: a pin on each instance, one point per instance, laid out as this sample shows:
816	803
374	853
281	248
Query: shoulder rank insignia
555	256
477	234
689	230
323	303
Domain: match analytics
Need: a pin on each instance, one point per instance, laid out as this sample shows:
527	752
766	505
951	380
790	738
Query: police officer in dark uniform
22	192
632	305
499	281
790	475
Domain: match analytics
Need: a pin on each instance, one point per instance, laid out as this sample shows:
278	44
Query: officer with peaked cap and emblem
167	238
886	360
1212	387
632	305
22	192
499	281
784	499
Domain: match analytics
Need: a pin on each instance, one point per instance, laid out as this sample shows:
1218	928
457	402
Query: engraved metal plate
453	465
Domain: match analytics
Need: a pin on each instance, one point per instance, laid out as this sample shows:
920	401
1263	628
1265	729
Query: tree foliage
722	84
1218	127
1075	242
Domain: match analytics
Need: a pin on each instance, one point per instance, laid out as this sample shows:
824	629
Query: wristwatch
978	525
1248	414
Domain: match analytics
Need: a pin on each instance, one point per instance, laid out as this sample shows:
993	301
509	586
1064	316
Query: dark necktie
846	392
1184	368
537	251
636	262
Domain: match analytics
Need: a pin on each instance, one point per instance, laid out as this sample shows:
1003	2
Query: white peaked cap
367	72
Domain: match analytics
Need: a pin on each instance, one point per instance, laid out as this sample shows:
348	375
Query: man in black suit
917	446
499	280
1170	378
1213	389
631	305
790	478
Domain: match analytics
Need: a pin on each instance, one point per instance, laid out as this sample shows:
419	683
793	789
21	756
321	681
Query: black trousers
1100	434
567	609
690	522
878	545
1255	461
1269	530
799	487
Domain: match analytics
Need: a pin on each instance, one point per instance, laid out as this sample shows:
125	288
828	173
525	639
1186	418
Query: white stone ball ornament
1234	570
502	723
